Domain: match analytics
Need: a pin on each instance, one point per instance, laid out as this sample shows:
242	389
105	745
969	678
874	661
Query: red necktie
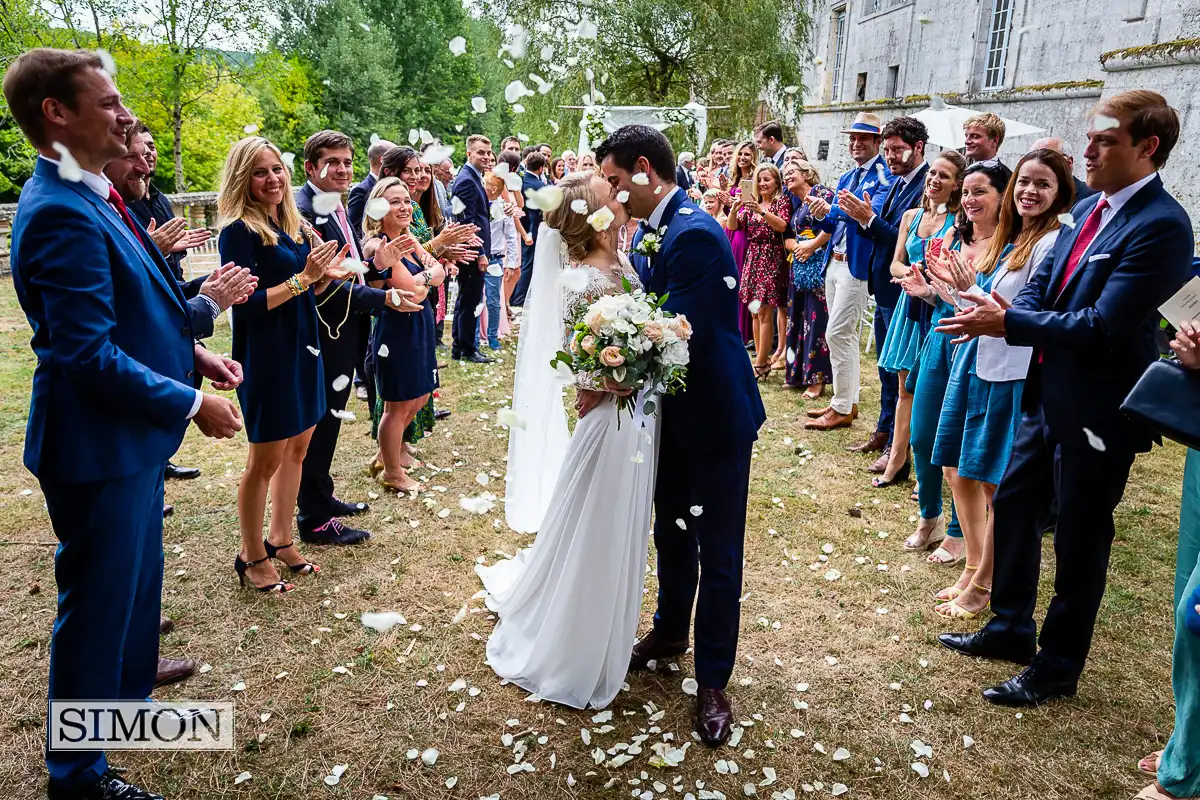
1087	234
115	200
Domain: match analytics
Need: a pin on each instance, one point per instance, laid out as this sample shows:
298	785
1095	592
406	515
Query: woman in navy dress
404	345
982	408
807	354
275	339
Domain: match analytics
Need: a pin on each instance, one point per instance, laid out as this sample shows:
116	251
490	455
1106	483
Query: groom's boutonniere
650	242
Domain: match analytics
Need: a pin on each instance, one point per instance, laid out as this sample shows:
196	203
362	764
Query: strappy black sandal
307	568
240	566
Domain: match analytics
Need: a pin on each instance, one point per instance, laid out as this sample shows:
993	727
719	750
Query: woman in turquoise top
982	408
925	227
1177	768
983	187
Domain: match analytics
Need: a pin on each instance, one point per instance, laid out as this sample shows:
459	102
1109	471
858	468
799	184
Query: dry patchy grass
421	565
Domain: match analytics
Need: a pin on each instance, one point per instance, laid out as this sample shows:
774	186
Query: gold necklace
334	334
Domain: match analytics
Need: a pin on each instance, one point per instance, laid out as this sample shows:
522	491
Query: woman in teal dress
923	230
1177	768
982	408
983	189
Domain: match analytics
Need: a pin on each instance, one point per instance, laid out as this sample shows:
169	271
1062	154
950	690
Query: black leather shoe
714	717
651	647
441	413
111	786
1033	687
165	624
982	644
168	510
330	532
176	472
339	508
478	358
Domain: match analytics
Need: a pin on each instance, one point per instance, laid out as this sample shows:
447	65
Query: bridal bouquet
628	341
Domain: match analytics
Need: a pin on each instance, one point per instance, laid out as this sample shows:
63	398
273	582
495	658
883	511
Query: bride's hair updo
576	232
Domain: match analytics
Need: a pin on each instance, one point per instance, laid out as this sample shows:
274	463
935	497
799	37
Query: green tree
289	95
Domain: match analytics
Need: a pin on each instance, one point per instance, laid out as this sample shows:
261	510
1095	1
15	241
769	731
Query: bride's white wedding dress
569	604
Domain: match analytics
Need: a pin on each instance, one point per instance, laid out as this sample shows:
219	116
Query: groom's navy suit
708	432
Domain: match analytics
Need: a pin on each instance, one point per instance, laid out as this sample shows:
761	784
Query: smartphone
747	188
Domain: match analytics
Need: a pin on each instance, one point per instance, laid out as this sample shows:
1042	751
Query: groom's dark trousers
707	435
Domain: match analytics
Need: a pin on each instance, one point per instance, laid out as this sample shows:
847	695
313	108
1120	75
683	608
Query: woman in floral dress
807	356
764	217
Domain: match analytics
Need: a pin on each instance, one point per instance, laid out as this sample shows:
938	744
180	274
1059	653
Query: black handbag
1167	398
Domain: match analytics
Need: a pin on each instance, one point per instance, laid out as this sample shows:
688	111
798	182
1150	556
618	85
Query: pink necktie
1087	235
345	226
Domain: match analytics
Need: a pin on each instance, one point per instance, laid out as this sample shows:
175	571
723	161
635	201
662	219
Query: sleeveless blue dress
979	418
905	334
409	368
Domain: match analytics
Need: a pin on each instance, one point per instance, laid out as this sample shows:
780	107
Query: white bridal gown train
569	604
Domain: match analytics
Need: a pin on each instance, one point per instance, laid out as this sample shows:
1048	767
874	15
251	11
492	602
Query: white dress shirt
656	216
101	185
1118	200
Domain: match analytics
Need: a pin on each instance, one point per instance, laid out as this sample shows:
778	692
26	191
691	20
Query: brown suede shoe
714	717
830	421
171	670
879	466
651	648
874	443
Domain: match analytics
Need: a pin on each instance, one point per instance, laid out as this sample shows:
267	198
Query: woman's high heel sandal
240	566
307	568
385	483
374	467
954	611
900	477
952	591
762	371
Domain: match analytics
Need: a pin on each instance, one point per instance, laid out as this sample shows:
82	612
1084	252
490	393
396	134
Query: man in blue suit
903	141
469	191
847	268
1090	311
113	390
356	203
531	181
700	463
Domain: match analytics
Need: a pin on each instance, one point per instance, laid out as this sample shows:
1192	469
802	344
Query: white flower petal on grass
429	757
920	769
690	686
1103	122
921	749
205	668
601	218
240	686
1094	441
457	686
641	179
841	754
1068	220
325	203
242	778
968	742
68	167
381	621
383	351
839	789
579	206
731	281
479	105
458	45
451	782
342	414
457	206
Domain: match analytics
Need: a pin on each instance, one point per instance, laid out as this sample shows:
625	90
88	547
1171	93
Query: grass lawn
825	677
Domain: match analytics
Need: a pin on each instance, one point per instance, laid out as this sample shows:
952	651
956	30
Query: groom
707	431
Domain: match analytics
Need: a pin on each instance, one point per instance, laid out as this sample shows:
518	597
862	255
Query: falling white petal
1103	122
579	206
641	179
68	167
457	206
601	218
1095	441
382	620
731	281
377	208
479	105
383	351
1068	220
458	45
325	203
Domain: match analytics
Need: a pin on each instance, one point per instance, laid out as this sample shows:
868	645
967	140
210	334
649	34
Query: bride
569	604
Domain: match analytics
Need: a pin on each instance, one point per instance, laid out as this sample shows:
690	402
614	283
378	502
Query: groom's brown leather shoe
817	413
714	717
831	420
651	648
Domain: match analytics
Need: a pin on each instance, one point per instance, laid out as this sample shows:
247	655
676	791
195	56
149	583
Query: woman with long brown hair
741	167
275	339
982	408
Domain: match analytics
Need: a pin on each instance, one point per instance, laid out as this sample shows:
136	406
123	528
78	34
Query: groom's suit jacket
721	410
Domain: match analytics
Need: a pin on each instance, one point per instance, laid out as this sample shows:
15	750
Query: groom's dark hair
631	142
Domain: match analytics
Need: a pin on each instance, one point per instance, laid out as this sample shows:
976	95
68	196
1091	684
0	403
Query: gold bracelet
295	286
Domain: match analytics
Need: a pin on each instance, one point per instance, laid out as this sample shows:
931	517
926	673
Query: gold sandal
954	611
374	467
952	592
